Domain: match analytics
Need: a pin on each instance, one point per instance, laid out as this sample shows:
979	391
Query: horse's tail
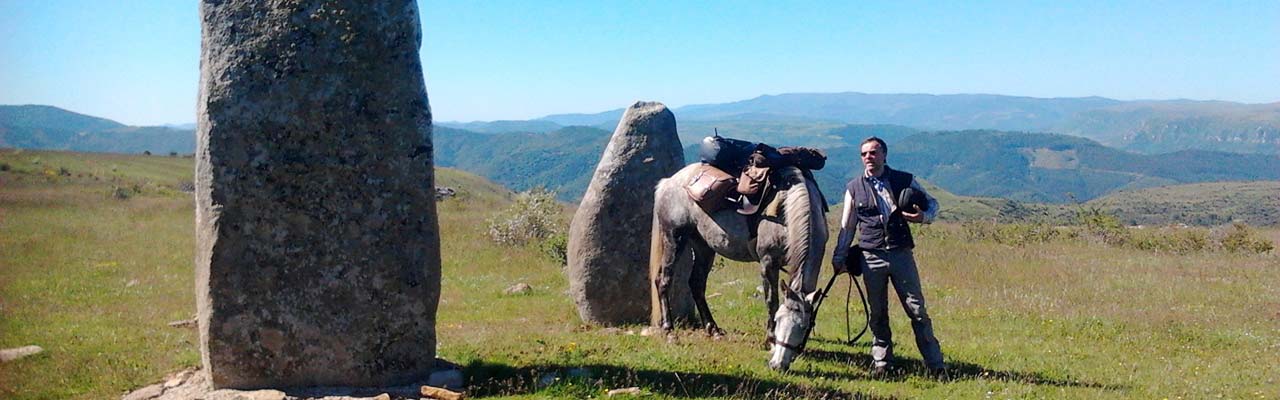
806	231
657	252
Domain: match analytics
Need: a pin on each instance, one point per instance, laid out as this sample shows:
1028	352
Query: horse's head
791	330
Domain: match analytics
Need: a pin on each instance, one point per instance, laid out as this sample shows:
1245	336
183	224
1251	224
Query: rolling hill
1057	168
562	160
52	128
1216	203
1163	126
1024	167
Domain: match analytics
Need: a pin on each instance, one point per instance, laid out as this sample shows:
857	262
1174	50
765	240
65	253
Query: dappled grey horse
795	240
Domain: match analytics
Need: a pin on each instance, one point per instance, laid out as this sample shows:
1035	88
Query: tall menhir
317	250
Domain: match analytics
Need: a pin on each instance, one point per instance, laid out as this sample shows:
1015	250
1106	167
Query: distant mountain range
1030	167
1140	126
46	127
1058	168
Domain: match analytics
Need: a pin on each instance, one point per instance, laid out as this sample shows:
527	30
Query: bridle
813	317
772	340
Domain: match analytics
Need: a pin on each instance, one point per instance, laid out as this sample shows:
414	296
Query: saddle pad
774	209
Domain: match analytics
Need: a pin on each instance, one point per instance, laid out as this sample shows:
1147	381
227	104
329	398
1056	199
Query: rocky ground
446	383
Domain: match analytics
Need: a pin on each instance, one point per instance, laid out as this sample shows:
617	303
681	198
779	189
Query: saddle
714	187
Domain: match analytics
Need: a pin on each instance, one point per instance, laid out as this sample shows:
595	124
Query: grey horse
795	240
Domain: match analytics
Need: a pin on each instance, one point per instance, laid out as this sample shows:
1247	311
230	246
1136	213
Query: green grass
91	279
95	280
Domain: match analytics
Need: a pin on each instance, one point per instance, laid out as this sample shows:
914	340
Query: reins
817	303
822	295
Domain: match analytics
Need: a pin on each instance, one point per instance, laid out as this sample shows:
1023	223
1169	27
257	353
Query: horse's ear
791	294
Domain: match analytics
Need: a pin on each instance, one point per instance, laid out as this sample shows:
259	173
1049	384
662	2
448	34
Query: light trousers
897	266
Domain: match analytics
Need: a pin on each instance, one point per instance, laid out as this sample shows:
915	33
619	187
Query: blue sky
137	61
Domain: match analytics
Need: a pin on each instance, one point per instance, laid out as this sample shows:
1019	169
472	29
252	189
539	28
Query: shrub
173	154
1102	226
980	230
4	166
1011	234
556	247
1239	238
931	231
120	193
531	218
1024	234
1172	240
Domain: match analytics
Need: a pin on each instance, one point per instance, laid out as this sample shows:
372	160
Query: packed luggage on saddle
715	187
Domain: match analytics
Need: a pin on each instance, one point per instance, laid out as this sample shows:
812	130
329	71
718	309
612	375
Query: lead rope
848	329
865	311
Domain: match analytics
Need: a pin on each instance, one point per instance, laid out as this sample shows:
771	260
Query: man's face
872	156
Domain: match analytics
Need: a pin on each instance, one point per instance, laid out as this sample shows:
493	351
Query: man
871	202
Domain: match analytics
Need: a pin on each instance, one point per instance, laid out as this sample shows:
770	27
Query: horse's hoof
716	334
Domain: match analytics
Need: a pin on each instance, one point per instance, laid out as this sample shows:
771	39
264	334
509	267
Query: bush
1239	238
931	231
556	247
1011	234
1172	240
4	166
1102	226
531	218
120	193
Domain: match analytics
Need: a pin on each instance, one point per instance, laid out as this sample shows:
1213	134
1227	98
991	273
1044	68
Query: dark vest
873	233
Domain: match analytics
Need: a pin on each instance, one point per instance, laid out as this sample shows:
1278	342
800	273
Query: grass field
95	279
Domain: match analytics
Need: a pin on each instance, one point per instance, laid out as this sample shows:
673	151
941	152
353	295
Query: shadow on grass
494	379
903	367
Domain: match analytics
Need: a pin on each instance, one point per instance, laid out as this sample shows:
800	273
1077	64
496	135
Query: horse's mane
805	222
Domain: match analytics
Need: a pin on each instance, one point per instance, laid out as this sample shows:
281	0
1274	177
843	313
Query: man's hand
837	265
917	217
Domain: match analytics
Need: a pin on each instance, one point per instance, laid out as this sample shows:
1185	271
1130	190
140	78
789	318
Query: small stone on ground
191	384
634	391
519	288
7	355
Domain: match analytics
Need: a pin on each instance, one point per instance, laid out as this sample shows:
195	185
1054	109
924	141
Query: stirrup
746	207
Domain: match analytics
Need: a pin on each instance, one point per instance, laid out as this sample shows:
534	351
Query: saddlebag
710	187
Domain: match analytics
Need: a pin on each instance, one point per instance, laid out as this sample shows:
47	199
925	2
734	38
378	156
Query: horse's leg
703	257
769	274
671	244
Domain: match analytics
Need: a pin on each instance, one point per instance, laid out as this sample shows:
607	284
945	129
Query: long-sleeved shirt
887	205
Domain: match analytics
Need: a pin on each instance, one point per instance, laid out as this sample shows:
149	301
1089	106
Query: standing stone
317	249
609	237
